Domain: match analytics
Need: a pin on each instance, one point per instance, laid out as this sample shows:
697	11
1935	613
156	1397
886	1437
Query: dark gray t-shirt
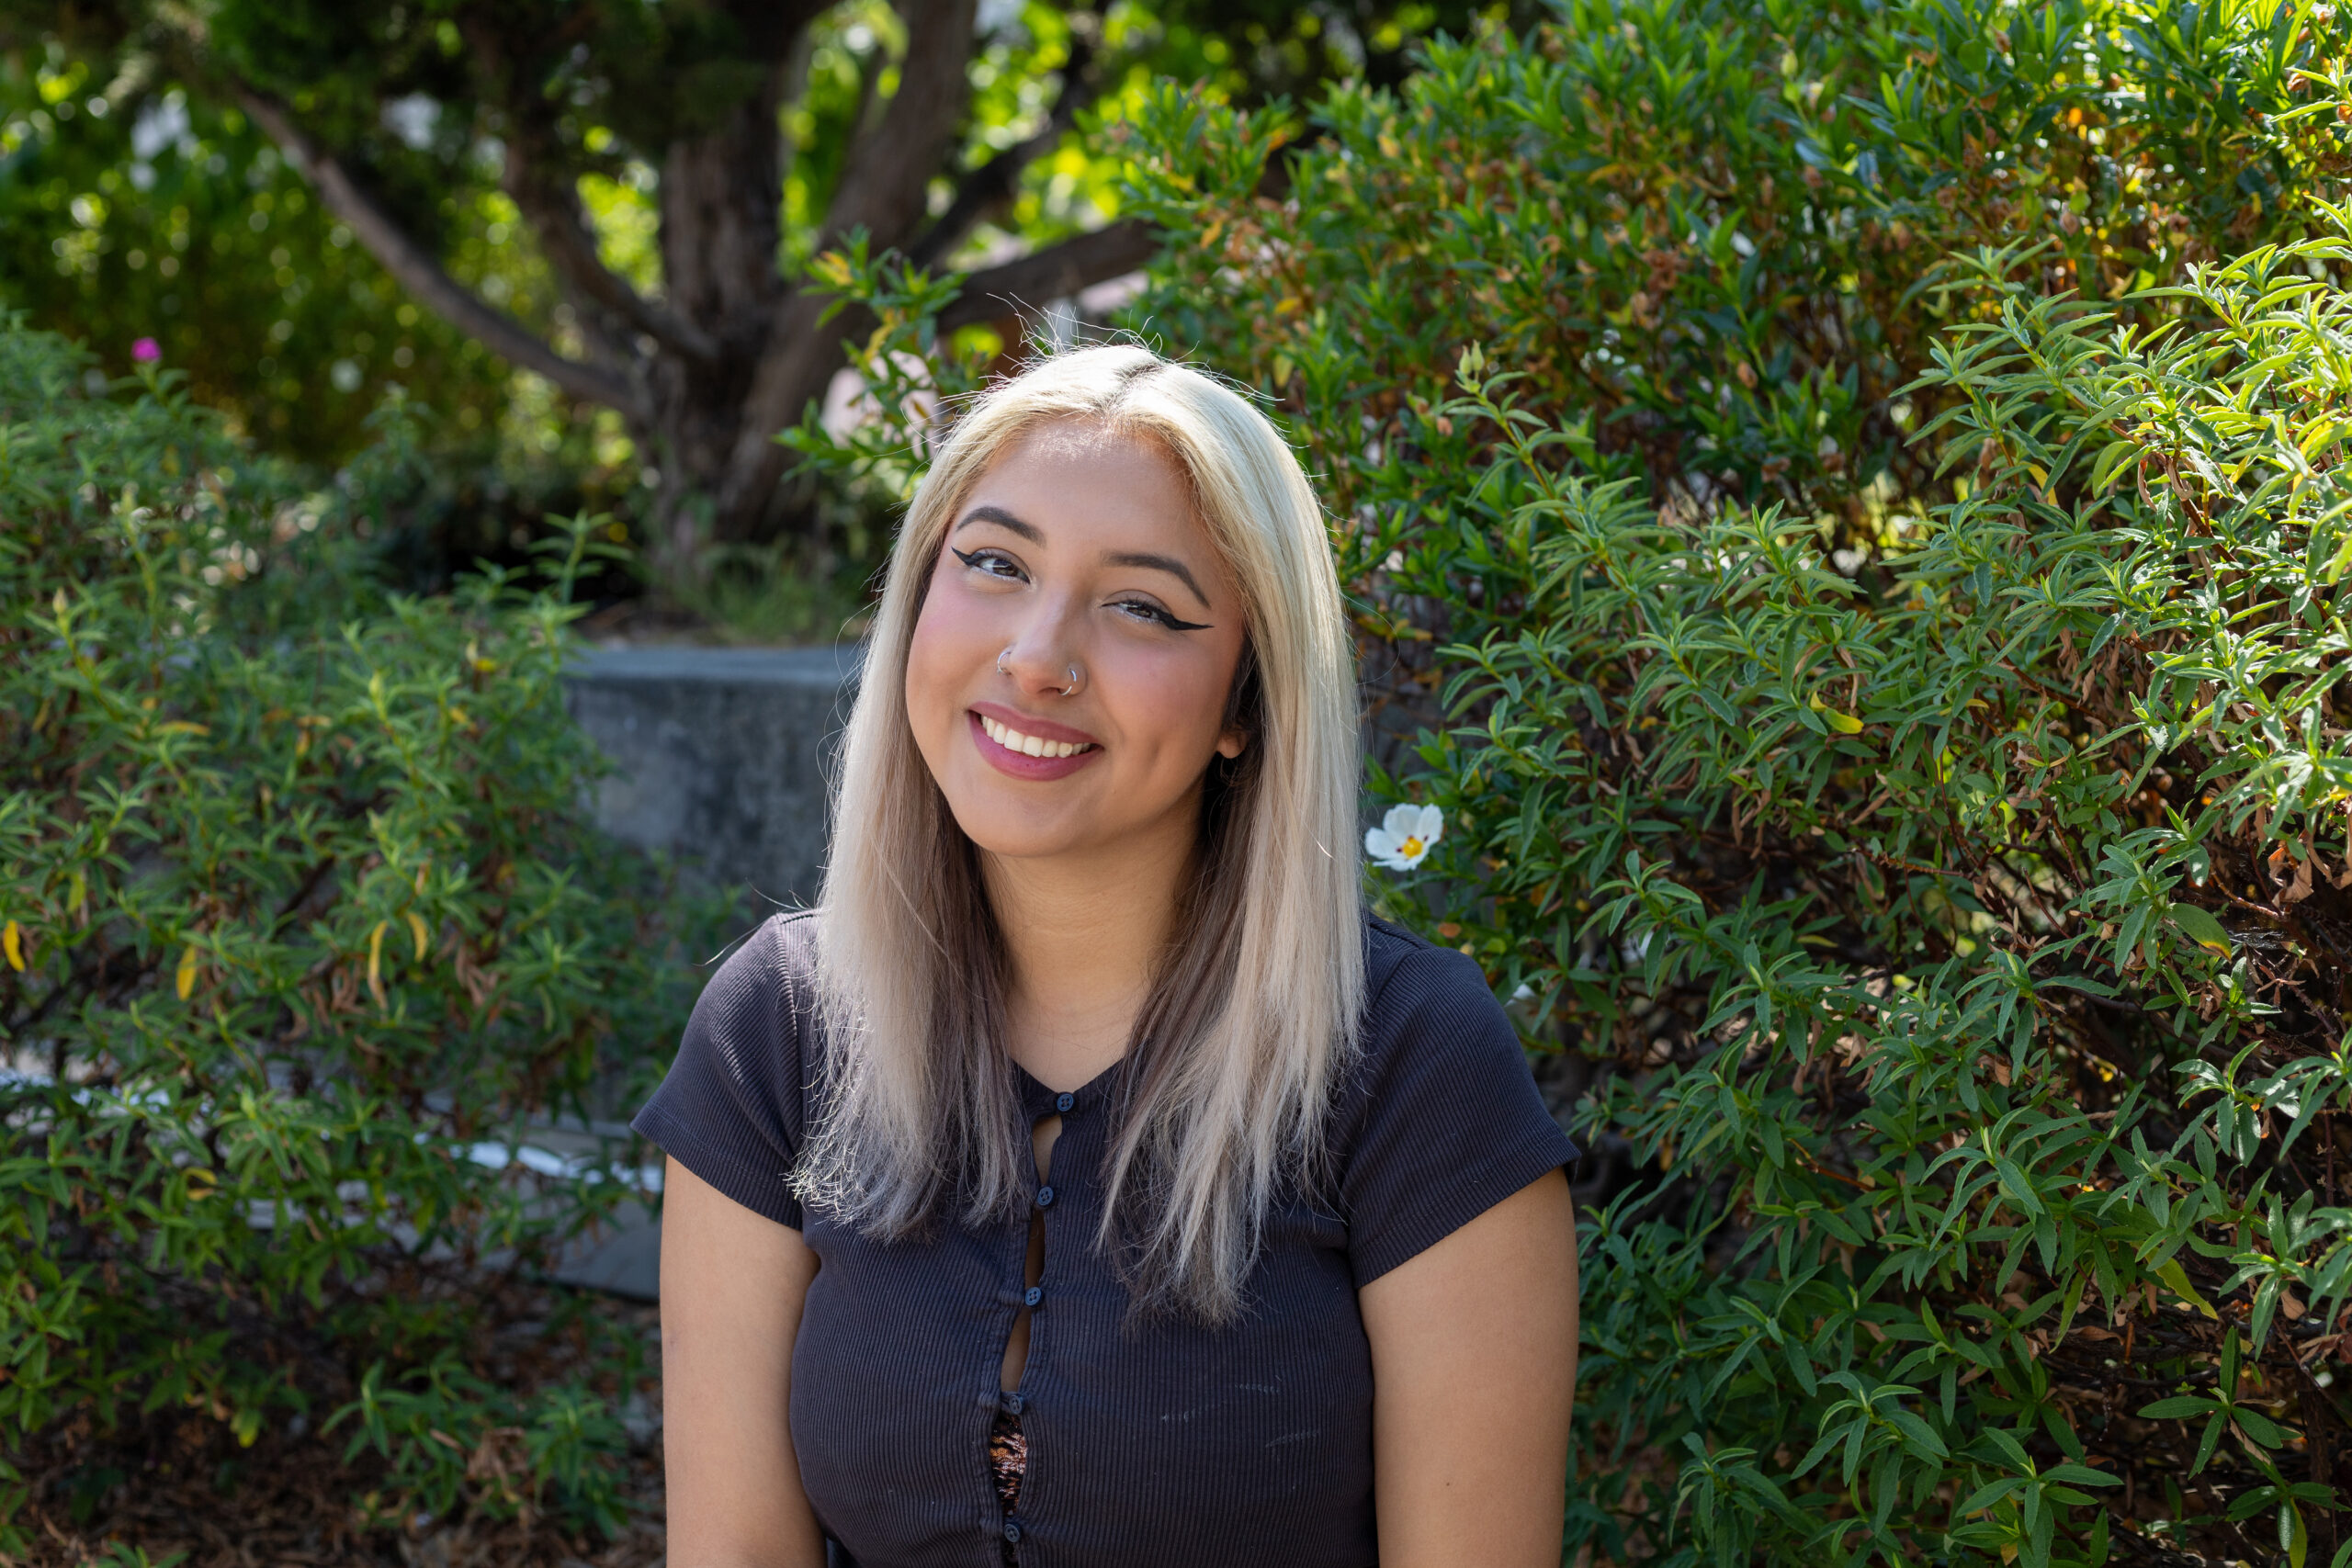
1159	1442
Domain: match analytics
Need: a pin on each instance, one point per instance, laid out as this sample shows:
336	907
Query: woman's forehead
1078	440
1076	473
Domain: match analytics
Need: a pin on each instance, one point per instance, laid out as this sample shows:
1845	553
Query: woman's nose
1042	660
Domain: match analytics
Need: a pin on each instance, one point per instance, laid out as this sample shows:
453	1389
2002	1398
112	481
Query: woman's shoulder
1427	1011
1405	974
732	1108
1445	1119
776	963
754	1015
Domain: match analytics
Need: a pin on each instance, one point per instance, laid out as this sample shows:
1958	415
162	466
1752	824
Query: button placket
1044	1200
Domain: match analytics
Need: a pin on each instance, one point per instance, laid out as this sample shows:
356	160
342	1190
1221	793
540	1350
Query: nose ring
1067	691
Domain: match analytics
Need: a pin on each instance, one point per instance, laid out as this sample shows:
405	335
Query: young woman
1088	1182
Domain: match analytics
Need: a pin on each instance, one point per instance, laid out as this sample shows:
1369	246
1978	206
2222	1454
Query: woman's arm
732	1285
1474	1367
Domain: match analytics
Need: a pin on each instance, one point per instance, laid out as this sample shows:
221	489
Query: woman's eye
1144	610
989	561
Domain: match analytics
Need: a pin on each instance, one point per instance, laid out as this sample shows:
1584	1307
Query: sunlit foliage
305	945
1846	512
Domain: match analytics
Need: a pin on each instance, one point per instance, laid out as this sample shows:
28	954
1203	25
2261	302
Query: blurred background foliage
1843	503
139	202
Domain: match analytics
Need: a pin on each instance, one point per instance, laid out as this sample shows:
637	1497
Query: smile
1026	753
1013	740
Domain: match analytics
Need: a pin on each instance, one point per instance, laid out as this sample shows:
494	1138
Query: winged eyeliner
1166	619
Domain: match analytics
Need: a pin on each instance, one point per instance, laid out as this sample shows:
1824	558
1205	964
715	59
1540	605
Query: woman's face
1077	553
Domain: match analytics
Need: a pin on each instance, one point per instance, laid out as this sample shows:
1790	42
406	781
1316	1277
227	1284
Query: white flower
1404	836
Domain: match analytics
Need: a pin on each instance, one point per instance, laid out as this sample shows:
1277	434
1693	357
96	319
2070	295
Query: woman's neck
1085	934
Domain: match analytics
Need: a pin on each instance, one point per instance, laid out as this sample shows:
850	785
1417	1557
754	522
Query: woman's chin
1012	822
1039	849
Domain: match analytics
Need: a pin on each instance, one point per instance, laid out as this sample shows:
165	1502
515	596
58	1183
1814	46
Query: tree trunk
721	203
729	355
883	192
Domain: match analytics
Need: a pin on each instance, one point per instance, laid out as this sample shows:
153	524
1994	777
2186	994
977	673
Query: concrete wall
719	754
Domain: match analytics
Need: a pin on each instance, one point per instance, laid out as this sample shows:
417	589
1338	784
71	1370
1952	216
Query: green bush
1846	510
1700	232
303	932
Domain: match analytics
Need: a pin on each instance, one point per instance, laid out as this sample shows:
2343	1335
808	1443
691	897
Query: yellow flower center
1410	847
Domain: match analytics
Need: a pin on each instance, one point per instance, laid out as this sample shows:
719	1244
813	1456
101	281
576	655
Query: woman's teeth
1013	740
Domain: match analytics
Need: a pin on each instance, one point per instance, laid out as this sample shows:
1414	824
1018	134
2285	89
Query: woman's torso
1163	1441
1152	1441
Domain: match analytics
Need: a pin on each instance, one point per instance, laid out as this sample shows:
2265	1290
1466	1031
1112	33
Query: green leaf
1843	723
2176	1279
2201	927
1921	1435
2258	1427
2207	1443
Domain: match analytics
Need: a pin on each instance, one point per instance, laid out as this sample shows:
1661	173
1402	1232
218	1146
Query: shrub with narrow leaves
303	932
1846	510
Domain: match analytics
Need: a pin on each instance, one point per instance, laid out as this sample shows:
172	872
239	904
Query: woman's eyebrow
1167	564
1002	519
1031	532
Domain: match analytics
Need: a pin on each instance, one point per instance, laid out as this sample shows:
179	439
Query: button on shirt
1150	1442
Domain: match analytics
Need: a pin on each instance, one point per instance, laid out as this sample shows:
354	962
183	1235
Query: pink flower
146	351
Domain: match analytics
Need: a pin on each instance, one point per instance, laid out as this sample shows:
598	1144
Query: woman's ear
1241	706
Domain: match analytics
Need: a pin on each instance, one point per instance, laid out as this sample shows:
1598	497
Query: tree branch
421	275
886	180
532	177
1023	286
570	248
883	188
992	184
802	355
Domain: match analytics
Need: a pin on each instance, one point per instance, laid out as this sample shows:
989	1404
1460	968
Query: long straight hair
1251	1019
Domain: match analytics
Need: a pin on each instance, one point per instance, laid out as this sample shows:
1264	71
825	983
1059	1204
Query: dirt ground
304	1515
183	1493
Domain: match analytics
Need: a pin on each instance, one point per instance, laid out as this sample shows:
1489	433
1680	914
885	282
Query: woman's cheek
940	656
1173	699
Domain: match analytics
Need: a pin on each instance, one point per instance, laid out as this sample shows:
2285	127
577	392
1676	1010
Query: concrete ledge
827	666
719	755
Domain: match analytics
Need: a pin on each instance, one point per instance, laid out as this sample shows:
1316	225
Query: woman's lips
1020	764
1029	724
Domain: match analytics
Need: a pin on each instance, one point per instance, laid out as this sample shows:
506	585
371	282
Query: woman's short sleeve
1450	1123
731	1108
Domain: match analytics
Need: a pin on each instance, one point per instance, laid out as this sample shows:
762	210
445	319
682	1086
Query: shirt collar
1037	1099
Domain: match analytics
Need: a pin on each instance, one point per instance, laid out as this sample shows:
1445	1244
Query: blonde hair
1251	1019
